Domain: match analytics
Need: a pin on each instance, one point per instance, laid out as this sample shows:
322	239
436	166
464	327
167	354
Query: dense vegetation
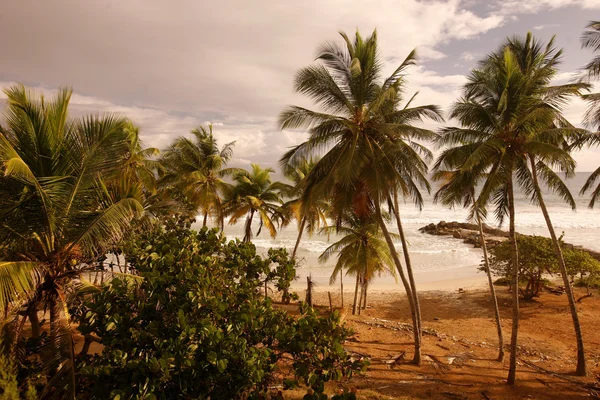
189	315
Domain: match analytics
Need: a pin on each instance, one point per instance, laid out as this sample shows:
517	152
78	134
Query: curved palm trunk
248	227
486	263
301	230
355	294
205	219
512	369
405	283
581	367
407	261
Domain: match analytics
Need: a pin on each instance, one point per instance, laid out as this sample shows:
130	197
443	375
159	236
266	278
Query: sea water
438	258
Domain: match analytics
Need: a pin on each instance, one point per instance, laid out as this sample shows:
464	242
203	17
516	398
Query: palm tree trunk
248	227
34	320
405	283
355	294
342	287
407	261
366	285
301	230
581	367
512	369
205	219
362	293
486	263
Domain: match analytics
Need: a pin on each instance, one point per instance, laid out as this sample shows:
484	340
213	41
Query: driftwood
585	296
559	290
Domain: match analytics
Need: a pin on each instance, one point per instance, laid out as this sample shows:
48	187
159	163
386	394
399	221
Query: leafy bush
537	258
198	326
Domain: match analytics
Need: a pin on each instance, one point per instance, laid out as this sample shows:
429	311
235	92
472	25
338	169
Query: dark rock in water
469	233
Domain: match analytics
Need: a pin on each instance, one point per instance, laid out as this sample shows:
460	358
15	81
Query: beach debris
395	360
461	290
436	319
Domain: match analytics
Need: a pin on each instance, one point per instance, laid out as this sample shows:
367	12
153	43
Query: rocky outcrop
469	233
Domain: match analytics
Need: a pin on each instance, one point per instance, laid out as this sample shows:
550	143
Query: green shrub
536	259
197	325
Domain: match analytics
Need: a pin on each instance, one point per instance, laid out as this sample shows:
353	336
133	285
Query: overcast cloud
171	65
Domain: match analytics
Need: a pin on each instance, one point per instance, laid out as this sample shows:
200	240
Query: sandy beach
460	344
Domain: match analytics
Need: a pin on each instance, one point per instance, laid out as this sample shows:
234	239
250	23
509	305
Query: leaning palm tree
513	129
356	131
67	203
309	215
254	193
197	168
458	189
361	251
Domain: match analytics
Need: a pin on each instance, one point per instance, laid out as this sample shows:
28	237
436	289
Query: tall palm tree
356	130
309	215
458	188
67	202
252	193
591	40
197	167
361	251
513	128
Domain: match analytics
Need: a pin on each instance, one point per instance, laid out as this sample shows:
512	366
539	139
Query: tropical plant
539	259
253	192
458	189
194	325
196	167
513	129
591	40
368	143
64	202
362	251
310	215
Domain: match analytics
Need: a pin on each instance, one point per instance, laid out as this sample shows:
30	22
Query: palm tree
358	130
458	188
311	215
67	202
361	251
254	192
591	40
141	162
512	127
197	168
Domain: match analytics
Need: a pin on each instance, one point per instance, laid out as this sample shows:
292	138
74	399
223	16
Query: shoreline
450	280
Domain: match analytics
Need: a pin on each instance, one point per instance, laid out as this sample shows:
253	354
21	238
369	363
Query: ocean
439	258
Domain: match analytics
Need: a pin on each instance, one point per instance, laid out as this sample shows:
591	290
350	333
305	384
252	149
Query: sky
173	65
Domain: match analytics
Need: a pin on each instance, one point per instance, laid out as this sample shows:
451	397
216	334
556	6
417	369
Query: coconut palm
67	202
512	128
361	251
197	168
255	193
458	189
309	215
591	40
357	130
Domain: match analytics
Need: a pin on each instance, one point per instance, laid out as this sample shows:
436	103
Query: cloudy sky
172	65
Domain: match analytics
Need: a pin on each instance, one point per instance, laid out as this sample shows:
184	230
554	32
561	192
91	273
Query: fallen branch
583	297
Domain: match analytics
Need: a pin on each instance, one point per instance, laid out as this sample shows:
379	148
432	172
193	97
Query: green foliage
197	325
537	258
